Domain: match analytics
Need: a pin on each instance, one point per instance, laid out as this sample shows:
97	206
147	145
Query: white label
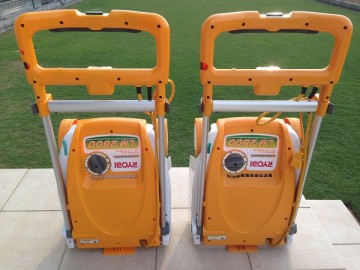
217	237
89	241
124	151
261	150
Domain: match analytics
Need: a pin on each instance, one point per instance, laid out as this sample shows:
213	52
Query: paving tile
9	180
337	221
180	189
182	254
88	259
31	240
303	202
311	249
37	191
350	255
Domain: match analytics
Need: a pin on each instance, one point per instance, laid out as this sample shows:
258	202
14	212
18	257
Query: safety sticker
89	241
261	150
217	237
124	151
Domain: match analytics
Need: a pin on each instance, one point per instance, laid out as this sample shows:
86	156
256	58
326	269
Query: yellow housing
117	209
252	206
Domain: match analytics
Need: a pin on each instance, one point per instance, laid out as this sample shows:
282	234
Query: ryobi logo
261	164
131	164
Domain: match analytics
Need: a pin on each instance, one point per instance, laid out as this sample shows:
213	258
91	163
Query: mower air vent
251	175
124	176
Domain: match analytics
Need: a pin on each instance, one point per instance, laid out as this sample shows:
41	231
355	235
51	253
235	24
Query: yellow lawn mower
112	173
248	173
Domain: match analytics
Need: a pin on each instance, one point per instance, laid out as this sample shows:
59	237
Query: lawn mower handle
269	81
99	81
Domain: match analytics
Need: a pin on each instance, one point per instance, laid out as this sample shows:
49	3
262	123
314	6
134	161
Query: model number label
123	150
112	142
217	237
261	150
89	241
251	141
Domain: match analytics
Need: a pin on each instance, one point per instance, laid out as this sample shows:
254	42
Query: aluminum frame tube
162	169
312	141
50	138
101	106
202	170
264	106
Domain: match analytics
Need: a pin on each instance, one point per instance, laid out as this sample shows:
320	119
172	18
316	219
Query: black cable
149	89
313	92
303	90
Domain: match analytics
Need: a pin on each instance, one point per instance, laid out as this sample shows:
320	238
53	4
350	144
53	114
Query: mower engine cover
250	185
109	170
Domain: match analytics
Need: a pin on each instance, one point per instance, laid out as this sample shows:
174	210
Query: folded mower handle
269	81
98	80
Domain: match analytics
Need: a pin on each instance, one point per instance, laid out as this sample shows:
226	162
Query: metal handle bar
264	106
101	106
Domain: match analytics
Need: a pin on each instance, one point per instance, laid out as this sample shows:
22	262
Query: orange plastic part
99	81
197	135
269	82
253	206
119	208
119	251
241	249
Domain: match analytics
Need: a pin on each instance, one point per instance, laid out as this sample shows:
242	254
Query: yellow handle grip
269	81
99	81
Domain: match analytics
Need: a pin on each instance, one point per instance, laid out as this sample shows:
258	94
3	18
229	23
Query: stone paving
30	234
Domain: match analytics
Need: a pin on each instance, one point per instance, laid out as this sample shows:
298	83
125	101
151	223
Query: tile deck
30	236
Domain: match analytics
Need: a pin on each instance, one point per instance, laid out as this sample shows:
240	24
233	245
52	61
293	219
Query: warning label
124	151
261	150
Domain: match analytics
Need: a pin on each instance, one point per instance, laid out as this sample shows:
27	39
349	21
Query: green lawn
333	173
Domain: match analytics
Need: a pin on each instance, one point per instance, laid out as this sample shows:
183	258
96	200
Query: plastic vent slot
251	175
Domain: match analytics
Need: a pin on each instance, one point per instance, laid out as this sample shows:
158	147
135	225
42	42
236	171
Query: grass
333	172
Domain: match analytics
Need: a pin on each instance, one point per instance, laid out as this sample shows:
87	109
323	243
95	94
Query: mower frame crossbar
264	106
101	106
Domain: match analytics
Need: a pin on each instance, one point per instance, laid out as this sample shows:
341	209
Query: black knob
97	164
234	162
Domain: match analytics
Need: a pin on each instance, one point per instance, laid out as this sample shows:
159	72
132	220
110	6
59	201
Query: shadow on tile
51	259
182	254
88	259
311	249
